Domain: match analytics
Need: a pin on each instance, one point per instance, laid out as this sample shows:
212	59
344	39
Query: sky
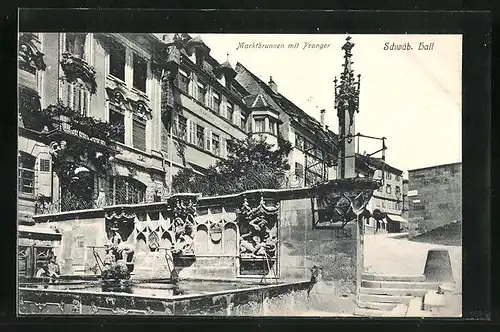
411	97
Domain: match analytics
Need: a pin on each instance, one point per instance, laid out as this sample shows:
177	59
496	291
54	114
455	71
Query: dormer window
260	125
140	73
75	44
273	127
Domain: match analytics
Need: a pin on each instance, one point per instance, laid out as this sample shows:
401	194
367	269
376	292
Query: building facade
435	196
406	205
386	204
107	119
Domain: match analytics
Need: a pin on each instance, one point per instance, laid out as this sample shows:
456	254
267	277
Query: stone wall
73	253
438	199
218	248
335	251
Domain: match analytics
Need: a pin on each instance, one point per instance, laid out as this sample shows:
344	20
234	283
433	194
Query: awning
395	217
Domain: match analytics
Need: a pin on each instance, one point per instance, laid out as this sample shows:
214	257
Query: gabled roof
295	112
256	100
375	163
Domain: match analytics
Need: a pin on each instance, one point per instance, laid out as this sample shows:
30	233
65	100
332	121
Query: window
75	44
259	125
388	176
299	170
127	191
200	136
230	112
208	146
117	120
216	144
312	178
397	191
243	121
181	127
388	189
77	97
379	189
44	165
398	177
308	146
139	134
183	81
26	173
216	105
202	92
117	61
273	127
299	142
140	73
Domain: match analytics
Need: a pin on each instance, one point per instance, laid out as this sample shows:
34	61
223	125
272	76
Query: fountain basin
183	298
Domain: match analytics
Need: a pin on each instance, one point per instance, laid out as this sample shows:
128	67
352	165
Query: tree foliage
251	164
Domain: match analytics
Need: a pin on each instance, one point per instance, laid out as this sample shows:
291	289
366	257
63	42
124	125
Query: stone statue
118	259
183	236
123	251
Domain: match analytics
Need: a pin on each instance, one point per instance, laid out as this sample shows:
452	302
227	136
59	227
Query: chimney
273	85
322	119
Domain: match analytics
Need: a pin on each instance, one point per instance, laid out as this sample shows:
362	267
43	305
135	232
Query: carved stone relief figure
183	215
258	229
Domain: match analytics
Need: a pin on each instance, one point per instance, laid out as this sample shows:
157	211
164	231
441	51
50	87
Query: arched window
127	190
26	173
77	188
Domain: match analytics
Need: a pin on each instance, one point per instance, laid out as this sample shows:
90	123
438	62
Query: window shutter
139	134
43	182
193	132
223	146
210	98
193	86
222	110
208	140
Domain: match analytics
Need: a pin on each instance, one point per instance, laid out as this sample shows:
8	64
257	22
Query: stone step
433	300
385	298
382	277
415	308
394	291
376	305
400	284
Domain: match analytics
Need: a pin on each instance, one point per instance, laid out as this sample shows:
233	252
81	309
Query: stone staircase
393	296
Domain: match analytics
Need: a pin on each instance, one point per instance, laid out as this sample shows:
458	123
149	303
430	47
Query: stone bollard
438	266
